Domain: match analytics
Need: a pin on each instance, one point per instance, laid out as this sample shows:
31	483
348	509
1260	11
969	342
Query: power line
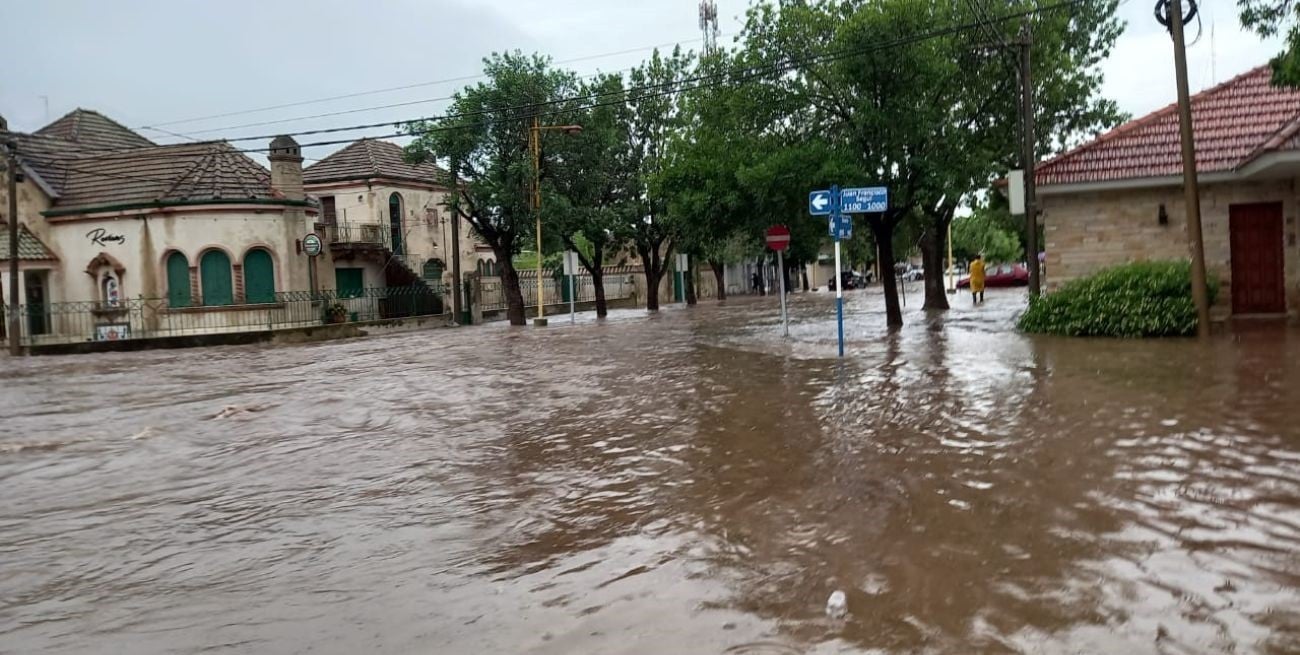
405	87
666	88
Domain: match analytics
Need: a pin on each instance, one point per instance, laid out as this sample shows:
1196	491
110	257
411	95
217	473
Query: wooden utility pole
456	290
1028	157
1200	295
15	322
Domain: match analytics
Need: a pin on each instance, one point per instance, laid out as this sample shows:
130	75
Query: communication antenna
709	25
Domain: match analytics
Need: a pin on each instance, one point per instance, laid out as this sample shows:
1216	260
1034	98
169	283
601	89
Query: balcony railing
356	233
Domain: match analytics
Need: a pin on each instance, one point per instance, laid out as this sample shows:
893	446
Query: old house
386	221
1119	198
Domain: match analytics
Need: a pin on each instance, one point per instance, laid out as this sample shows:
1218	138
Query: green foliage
1145	299
984	233
1272	17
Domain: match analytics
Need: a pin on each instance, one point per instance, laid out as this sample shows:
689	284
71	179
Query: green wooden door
349	281
178	281
214	276
259	277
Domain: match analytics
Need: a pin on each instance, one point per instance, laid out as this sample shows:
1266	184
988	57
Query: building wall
142	242
1086	232
426	220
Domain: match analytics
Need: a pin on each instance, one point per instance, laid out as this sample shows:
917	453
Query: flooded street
682	483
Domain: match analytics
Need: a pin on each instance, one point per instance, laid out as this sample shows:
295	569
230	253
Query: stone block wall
1086	232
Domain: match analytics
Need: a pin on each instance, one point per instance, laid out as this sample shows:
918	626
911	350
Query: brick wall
1086	232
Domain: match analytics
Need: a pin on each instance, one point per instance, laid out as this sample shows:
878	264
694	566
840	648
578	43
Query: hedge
1145	299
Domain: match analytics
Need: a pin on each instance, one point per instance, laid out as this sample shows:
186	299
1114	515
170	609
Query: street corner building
1120	198
124	239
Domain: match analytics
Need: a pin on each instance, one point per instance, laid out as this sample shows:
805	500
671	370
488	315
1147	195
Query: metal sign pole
839	279
572	299
780	265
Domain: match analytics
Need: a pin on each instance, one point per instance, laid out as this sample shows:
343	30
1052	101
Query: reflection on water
686	482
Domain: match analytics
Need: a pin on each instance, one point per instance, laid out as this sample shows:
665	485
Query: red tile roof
1233	123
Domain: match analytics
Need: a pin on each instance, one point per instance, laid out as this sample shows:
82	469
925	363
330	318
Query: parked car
1002	275
851	281
914	275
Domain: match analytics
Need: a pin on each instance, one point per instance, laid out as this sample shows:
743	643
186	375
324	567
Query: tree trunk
688	278
719	278
651	289
761	267
597	270
803	273
883	230
510	287
933	242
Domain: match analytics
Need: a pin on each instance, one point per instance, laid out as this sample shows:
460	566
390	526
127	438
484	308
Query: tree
484	139
984	233
655	120
1272	17
594	183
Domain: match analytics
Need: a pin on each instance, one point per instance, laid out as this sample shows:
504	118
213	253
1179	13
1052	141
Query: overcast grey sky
148	62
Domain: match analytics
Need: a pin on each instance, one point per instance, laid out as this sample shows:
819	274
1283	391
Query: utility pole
455	246
15	322
1200	295
1028	156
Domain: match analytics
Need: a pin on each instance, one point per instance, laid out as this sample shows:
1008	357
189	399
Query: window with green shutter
259	277
178	280
214	278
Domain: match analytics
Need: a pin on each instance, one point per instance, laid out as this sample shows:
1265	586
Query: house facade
1120	198
108	218
386	221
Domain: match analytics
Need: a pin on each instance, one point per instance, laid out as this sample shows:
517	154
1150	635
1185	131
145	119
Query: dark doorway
36	309
1258	282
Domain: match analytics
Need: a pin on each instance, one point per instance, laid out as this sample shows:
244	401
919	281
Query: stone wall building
1120	198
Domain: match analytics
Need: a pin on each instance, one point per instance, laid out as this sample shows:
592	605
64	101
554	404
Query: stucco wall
426	225
1086	232
141	243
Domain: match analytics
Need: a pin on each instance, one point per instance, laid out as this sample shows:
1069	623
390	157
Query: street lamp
535	144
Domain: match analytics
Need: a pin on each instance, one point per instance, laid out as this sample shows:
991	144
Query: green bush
1146	299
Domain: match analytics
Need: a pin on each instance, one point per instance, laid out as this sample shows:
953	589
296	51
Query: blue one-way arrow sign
819	203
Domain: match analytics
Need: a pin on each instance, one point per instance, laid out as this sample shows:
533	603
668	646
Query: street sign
778	237
311	245
841	227
864	200
819	202
571	262
683	262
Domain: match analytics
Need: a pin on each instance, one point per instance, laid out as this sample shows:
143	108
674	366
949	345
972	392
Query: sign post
683	266
839	204
571	270
778	239
311	246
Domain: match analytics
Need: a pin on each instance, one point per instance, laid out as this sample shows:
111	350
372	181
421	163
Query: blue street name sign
820	203
841	227
864	200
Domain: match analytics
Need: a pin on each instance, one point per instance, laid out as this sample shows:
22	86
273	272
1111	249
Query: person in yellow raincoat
977	279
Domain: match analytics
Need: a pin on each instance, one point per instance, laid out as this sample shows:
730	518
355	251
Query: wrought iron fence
150	318
556	289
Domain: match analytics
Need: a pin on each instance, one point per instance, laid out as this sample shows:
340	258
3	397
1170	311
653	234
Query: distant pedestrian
756	283
977	279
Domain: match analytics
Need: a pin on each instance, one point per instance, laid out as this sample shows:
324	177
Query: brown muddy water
682	483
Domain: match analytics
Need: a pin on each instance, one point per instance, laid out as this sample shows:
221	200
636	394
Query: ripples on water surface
681	483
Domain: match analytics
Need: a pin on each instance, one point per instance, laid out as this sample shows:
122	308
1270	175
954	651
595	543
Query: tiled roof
93	130
1233	123
29	247
90	173
368	159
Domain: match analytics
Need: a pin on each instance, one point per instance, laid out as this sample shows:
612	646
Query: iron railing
379	234
617	286
151	318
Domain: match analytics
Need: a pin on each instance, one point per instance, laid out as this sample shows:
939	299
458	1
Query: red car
1002	275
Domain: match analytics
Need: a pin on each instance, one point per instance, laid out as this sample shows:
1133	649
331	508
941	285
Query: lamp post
535	144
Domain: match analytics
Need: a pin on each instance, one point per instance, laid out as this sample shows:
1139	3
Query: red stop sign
778	237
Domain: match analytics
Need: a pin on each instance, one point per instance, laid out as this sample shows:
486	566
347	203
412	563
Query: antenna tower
709	25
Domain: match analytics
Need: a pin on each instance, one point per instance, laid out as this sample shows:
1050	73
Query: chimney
286	168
